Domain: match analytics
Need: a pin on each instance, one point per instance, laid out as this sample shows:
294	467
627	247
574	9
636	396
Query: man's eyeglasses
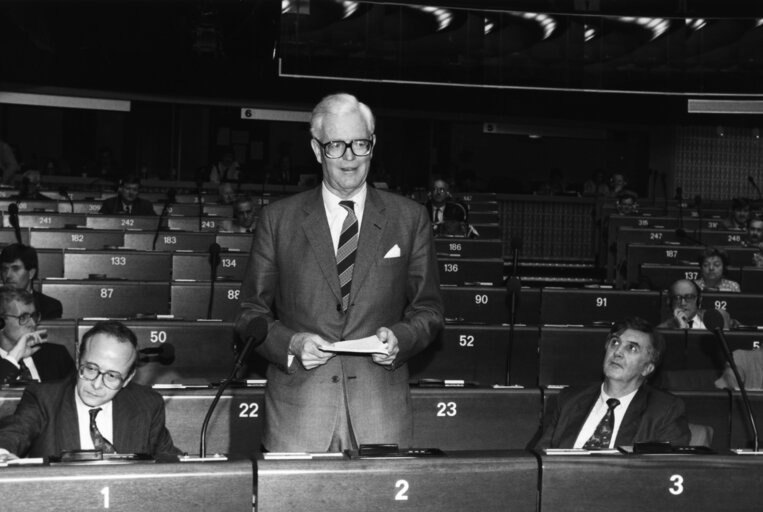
689	297
24	318
111	379
337	148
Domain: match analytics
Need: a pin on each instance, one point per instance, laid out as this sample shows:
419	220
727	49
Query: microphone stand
513	287
162	216
259	333
680	198
201	205
698	202
745	399
214	261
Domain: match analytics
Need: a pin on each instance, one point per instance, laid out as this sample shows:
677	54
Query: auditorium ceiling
473	51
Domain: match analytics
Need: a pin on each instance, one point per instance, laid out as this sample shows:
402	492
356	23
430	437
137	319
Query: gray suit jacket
45	421
292	281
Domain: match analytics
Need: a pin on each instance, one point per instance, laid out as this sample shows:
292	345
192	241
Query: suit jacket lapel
68	421
578	414
631	420
316	229
123	408
371	231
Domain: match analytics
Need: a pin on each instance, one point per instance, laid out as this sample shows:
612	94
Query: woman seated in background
713	264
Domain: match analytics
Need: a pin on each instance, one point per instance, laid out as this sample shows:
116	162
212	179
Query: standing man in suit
127	202
98	408
341	262
25	357
19	266
623	409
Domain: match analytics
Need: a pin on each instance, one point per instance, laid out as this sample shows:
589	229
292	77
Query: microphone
214	262
165	354
755	186
64	192
13	212
257	330
680	199
167	202
714	322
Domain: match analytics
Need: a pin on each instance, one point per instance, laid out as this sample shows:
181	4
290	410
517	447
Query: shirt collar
331	201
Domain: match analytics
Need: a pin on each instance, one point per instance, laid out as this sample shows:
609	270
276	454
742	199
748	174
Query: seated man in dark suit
448	216
622	410
19	266
685	302
96	408
25	355
127	202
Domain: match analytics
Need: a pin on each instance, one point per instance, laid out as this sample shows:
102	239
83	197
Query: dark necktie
99	442
603	433
25	374
345	254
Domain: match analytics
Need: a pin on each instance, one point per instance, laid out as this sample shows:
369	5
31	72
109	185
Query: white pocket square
393	253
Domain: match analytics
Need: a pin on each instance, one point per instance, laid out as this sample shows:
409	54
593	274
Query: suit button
339	307
334	379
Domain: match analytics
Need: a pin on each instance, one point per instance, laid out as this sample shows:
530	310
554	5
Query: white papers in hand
368	345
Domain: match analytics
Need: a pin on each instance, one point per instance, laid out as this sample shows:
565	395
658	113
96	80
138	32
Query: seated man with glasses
624	409
96	408
25	357
685	303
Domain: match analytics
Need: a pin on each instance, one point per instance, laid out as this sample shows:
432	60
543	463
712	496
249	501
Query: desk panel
741	433
167	487
123	222
190	300
571	355
80	206
114	299
488	305
479	354
235	241
746	308
75	239
136	266
208	224
487	230
50	263
475	418
589	306
168	241
470	272
468	248
47	220
479	481
654	482
196	266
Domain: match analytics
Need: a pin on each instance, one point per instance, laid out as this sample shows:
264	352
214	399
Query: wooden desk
461	481
178	487
651	482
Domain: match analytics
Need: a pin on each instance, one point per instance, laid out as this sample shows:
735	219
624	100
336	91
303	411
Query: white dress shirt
336	214
104	421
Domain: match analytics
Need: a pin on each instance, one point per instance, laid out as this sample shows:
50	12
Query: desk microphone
163	354
214	262
755	186
64	192
167	203
714	322
13	212
257	330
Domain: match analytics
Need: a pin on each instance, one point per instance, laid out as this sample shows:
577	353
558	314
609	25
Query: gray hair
337	104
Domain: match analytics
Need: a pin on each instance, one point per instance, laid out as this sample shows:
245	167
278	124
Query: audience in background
127	202
25	354
754	239
448	216
749	363
714	263
739	214
617	184
627	203
596	186
226	193
685	302
245	215
20	267
624	409
226	168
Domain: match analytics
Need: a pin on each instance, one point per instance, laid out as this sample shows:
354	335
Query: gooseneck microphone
257	331
64	192
714	322
755	186
214	262
167	203
680	199
13	213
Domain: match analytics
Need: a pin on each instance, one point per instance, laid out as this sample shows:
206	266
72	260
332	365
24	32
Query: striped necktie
99	442
345	254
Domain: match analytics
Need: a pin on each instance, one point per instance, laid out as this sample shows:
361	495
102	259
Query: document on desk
369	345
